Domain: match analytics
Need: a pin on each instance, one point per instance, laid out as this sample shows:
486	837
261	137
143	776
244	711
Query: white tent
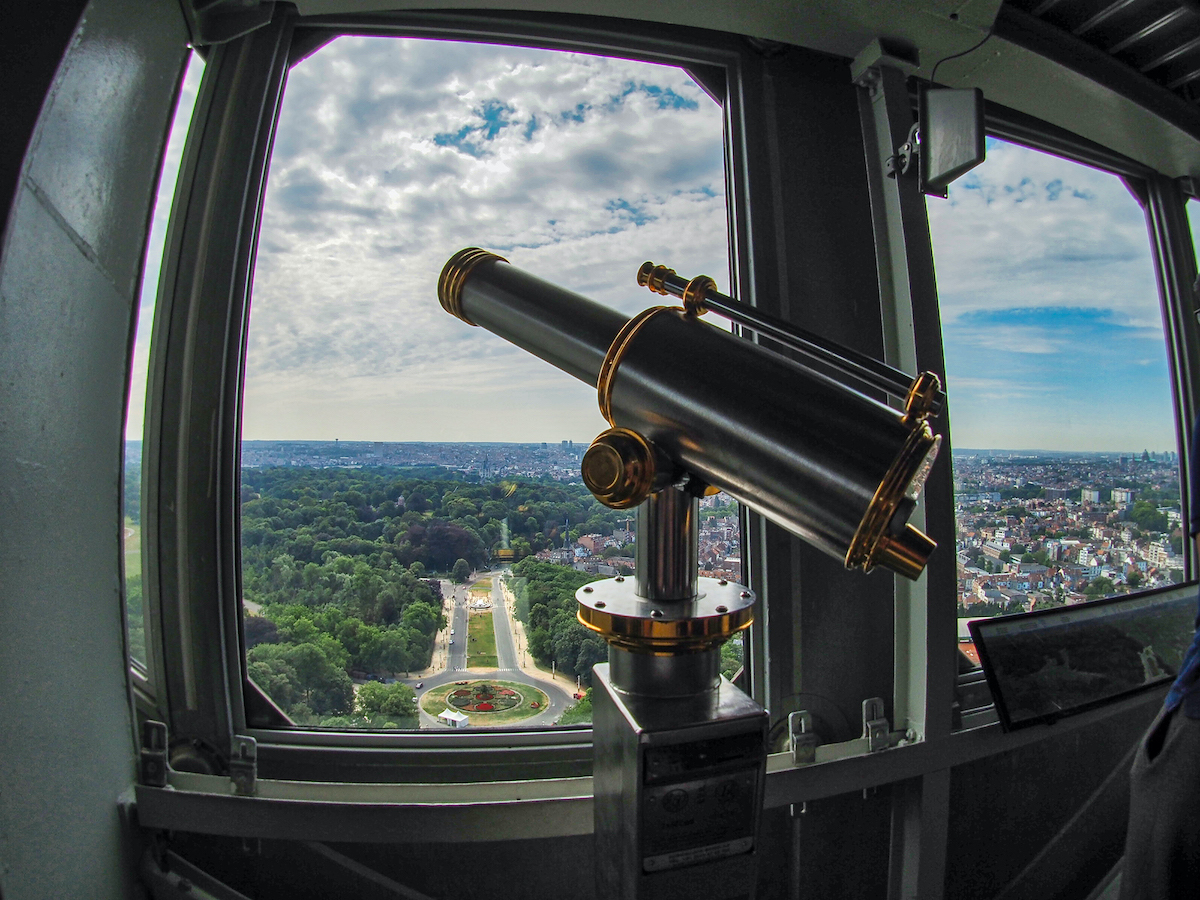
453	718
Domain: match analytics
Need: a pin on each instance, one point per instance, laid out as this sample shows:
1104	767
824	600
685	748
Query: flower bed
483	697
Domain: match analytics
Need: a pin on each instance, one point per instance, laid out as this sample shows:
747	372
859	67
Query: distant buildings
1023	539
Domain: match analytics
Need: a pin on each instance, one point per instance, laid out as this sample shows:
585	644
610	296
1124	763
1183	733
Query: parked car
420	684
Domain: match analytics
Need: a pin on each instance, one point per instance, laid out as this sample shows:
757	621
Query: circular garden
486	701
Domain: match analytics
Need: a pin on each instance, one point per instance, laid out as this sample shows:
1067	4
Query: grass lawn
481	640
434	701
483	584
133	547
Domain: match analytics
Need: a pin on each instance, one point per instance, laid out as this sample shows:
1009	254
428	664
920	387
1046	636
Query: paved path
506	650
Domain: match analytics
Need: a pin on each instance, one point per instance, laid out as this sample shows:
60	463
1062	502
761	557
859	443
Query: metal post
667	546
925	665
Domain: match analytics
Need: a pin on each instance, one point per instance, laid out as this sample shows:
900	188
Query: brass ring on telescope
665	638
616	350
651	276
694	293
906	553
923	395
619	468
454	276
613	610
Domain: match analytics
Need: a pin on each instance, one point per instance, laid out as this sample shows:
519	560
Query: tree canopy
338	559
546	605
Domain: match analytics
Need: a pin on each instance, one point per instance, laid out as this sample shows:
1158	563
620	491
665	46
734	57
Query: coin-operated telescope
680	753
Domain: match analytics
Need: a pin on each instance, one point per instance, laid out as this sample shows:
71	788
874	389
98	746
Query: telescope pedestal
678	790
679	752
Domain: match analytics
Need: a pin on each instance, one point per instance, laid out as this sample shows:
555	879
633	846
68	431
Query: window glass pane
1065	469
397	462
135	414
1193	212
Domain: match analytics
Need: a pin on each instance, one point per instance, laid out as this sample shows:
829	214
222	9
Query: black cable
933	74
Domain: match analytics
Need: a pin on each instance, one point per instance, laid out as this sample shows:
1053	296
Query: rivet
620	578
722	582
600	604
587	590
722	609
656	613
745	595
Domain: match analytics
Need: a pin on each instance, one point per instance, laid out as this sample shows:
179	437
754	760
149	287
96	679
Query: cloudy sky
1050	311
393	154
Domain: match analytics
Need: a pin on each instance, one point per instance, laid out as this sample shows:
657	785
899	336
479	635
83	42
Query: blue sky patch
666	97
576	114
628	212
495	116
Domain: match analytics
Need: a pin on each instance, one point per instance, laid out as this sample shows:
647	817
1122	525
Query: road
506	655
506	650
456	656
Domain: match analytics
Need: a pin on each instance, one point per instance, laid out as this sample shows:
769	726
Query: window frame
1163	202
191	467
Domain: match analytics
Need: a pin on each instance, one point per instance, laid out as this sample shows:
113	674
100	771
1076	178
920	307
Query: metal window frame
191	447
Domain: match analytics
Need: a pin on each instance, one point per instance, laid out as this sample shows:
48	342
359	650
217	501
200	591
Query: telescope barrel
838	469
565	329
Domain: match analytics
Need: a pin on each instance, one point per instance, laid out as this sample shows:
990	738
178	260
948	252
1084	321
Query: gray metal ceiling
1160	39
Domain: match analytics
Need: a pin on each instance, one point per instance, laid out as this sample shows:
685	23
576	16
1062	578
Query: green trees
339	561
461	571
1147	517
546	605
733	653
580	713
394	702
302	678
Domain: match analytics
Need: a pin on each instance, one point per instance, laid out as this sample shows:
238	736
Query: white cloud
155	243
1028	229
1050	310
393	154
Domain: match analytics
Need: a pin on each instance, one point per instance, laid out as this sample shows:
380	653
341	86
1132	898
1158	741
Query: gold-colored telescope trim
873	544
664	638
616	352
653	277
619	468
454	276
613	611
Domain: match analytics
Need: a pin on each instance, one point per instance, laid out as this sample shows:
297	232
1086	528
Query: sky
155	242
391	155
1050	314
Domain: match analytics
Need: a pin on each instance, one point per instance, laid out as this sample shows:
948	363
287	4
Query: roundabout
486	701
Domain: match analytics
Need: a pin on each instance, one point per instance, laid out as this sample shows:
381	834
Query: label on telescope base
695	855
696	820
